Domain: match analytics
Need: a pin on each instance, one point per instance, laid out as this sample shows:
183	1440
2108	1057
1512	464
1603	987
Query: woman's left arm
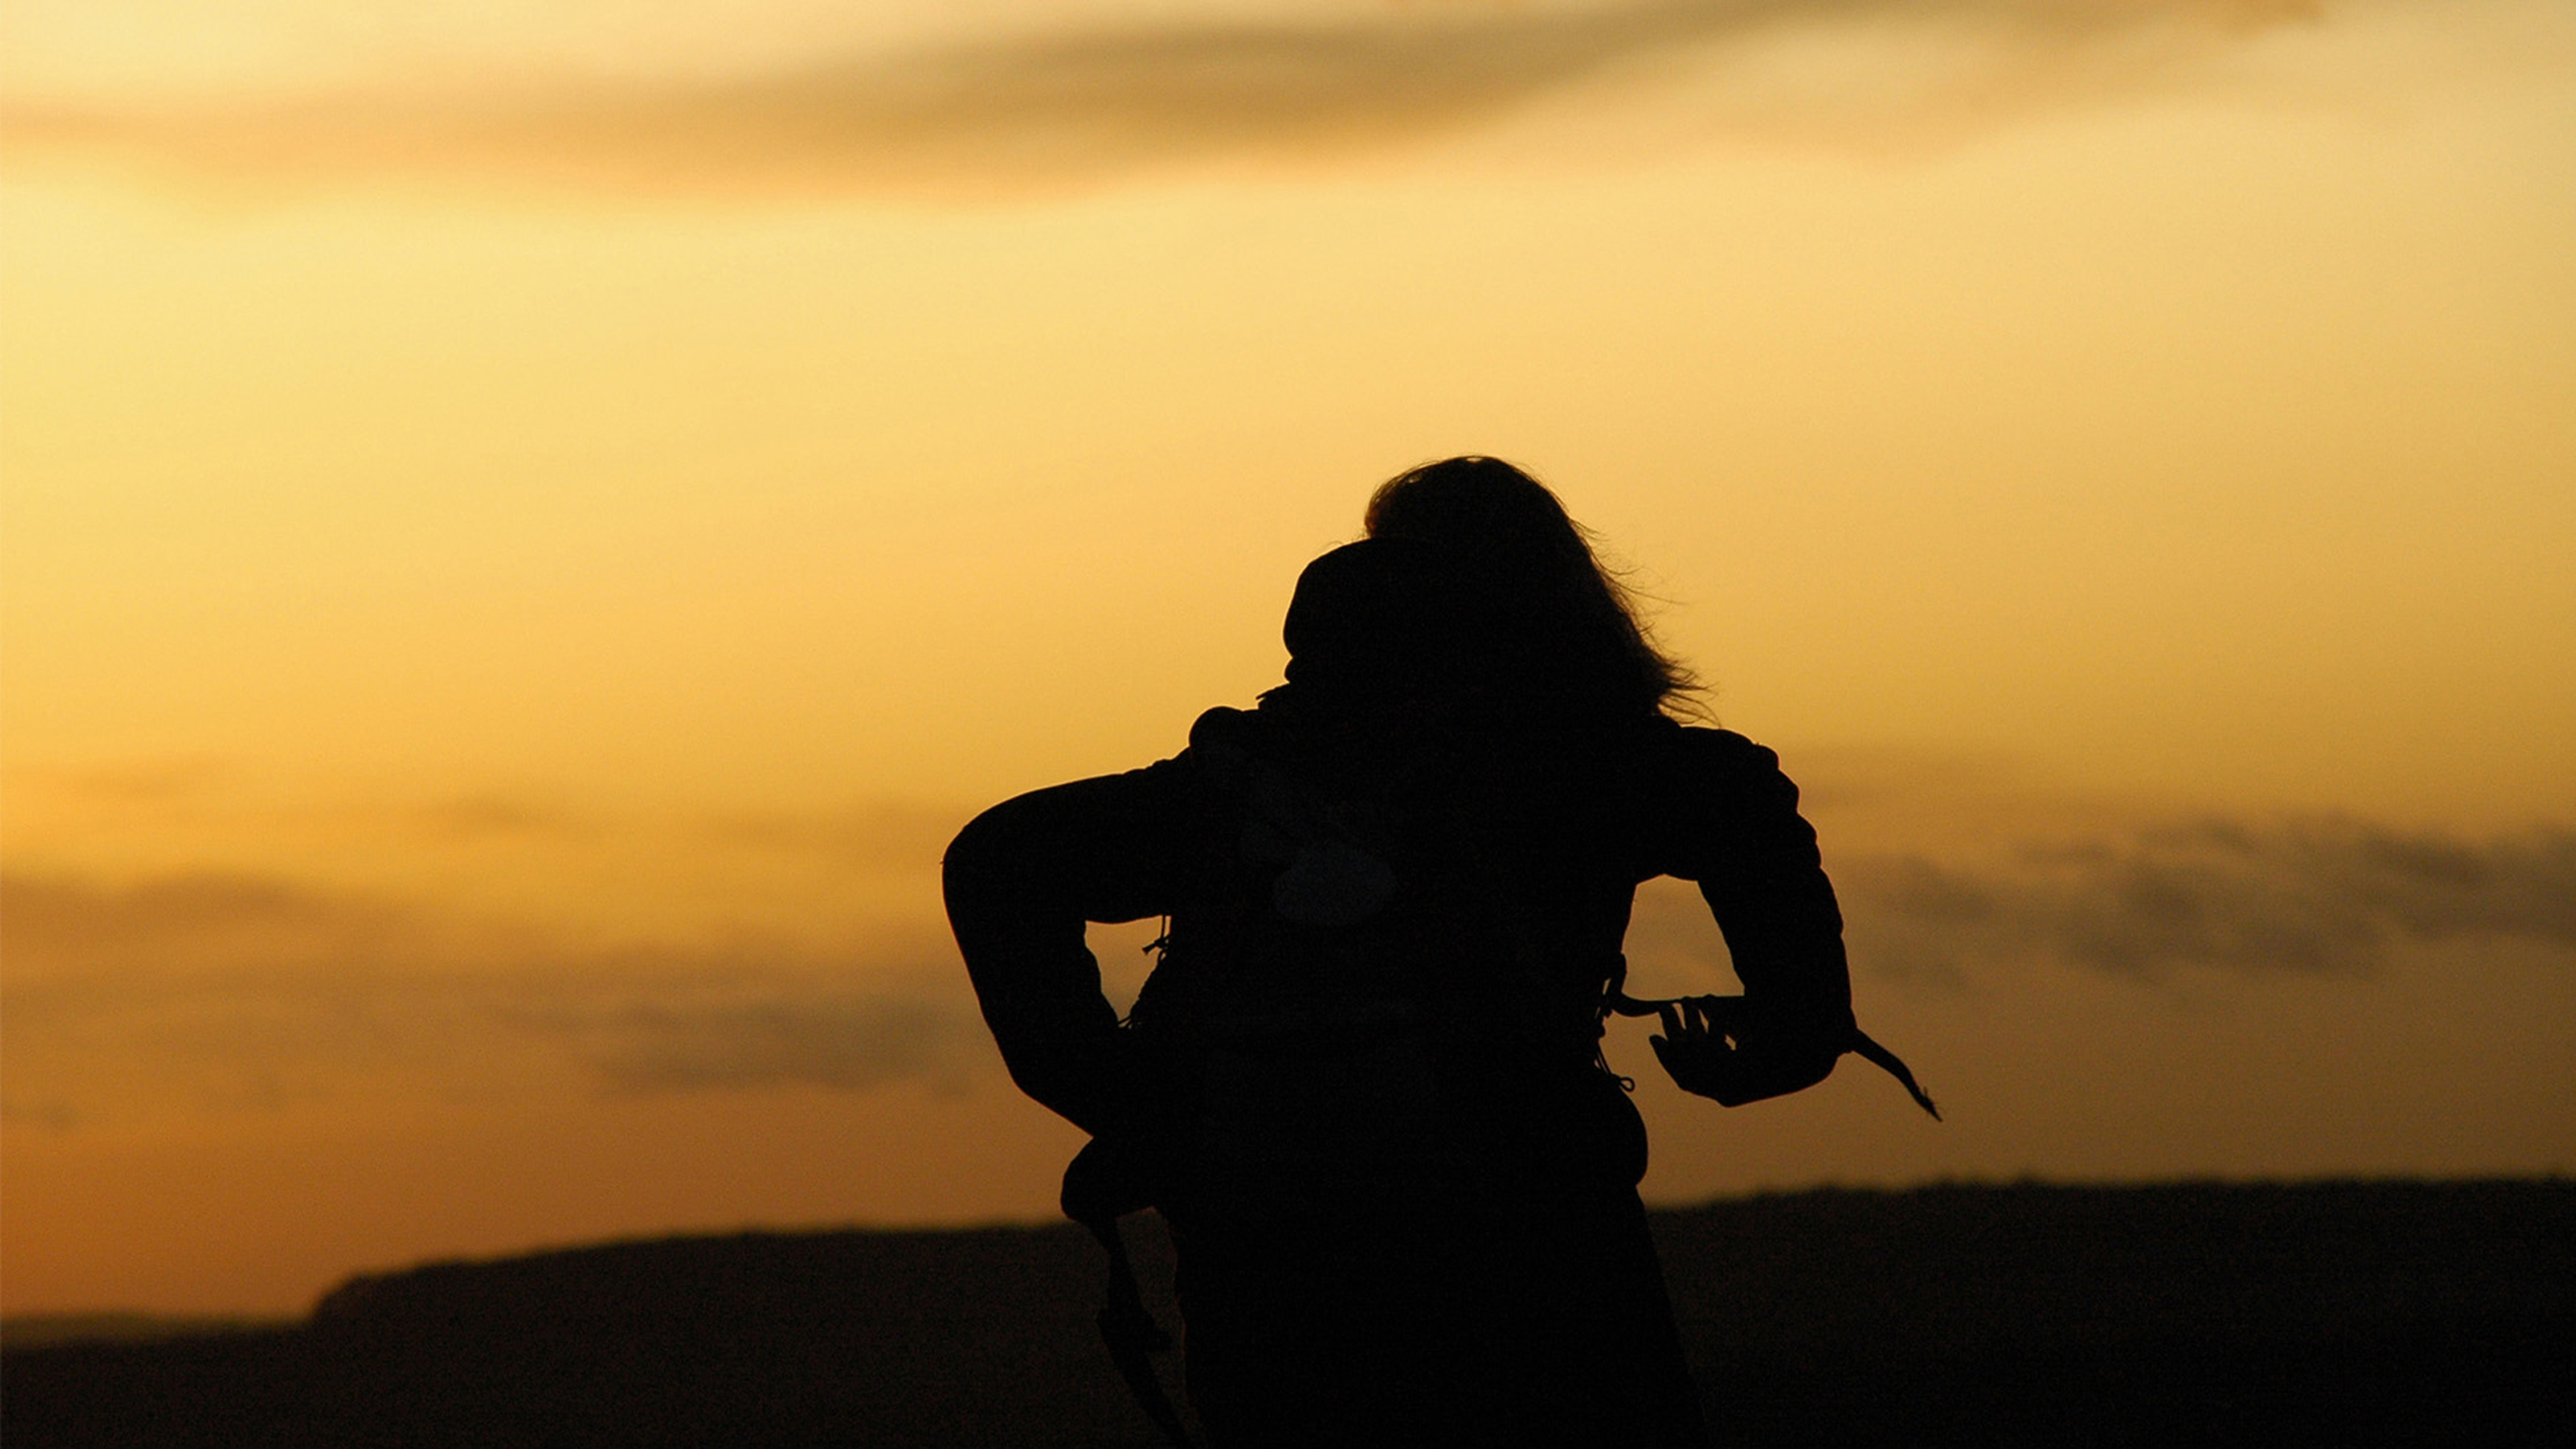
1739	835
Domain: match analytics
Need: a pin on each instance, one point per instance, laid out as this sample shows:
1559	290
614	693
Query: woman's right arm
1021	881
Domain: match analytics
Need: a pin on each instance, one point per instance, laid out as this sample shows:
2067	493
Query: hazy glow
491	656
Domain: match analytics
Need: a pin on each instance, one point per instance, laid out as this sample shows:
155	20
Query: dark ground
2335	1313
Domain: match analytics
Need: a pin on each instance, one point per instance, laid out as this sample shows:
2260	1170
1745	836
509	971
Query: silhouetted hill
2327	1313
2332	1313
45	1330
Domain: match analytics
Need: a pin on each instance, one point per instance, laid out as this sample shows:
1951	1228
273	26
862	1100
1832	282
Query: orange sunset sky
528	525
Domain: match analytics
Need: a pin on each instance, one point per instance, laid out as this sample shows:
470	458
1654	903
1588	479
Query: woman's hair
1574	627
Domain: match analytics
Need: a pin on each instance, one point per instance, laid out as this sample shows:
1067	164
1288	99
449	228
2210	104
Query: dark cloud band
2324	896
2319	896
1053	112
248	992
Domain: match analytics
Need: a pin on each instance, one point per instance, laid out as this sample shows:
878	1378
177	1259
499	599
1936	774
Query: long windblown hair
1566	629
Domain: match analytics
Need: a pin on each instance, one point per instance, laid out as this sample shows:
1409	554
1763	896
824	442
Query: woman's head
1564	624
1481	506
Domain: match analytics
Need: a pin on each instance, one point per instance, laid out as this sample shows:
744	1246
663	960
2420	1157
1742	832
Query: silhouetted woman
1364	1082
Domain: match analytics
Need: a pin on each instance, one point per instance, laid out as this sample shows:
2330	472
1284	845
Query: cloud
1055	112
149	782
879	835
2320	896
59	811
239	992
2314	896
191	922
841	1041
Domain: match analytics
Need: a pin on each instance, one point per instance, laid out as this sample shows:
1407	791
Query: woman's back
1364	1081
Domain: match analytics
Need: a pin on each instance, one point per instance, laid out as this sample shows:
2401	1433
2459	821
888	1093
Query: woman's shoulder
1224	728
1694	775
1223	742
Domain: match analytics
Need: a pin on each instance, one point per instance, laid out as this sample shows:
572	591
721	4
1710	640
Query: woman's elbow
980	858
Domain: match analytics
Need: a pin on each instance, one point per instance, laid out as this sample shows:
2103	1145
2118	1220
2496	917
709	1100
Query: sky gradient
521	534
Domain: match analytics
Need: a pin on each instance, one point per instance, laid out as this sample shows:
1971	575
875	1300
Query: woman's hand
1729	1049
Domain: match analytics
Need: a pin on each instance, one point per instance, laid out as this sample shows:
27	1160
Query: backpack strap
1099	1188
1134	1337
1890	1063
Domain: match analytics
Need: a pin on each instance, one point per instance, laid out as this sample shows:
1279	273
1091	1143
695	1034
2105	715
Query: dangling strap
1133	1336
1890	1063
